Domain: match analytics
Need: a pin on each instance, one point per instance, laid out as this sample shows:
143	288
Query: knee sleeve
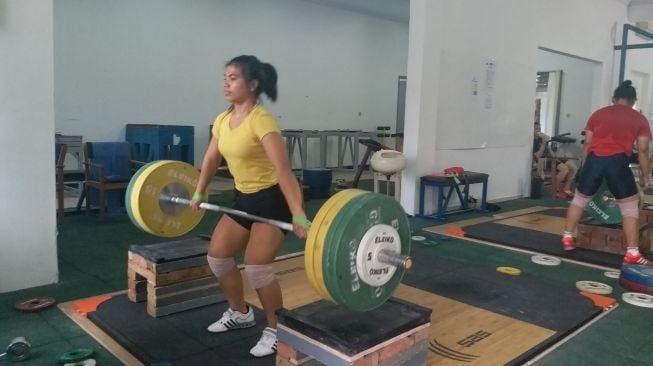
580	200
629	208
220	266
259	275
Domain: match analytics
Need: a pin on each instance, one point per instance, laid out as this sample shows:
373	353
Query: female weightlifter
247	136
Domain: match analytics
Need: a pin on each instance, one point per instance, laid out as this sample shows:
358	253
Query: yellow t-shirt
242	149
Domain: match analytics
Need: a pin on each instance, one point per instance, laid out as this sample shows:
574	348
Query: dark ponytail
625	91
268	82
264	73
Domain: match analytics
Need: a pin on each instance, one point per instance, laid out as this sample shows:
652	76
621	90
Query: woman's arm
276	152
210	164
588	139
642	153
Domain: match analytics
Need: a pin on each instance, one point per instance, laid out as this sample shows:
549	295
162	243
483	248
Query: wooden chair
107	167
60	158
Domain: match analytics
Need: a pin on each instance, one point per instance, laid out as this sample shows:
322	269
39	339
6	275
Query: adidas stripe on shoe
232	319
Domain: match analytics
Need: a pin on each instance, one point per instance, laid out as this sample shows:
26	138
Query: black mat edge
604	259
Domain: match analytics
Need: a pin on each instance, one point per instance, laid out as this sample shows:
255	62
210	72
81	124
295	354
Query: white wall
148	61
455	131
484	132
28	249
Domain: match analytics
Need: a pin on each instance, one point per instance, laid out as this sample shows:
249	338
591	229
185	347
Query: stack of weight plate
334	264
637	278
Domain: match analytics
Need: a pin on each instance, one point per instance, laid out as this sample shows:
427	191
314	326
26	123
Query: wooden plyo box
308	339
646	217
172	276
610	238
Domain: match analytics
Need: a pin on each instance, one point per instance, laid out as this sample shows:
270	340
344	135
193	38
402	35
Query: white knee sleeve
259	275
220	266
629	208
580	200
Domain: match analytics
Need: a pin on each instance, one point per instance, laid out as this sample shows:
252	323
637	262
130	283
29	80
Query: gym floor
92	261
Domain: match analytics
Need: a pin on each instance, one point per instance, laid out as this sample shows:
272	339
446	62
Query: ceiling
399	10
396	10
640	11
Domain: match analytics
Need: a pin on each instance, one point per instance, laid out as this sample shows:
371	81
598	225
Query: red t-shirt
614	130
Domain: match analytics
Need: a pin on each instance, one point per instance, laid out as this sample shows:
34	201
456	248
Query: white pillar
422	91
28	244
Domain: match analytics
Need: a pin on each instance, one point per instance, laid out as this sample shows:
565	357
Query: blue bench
445	187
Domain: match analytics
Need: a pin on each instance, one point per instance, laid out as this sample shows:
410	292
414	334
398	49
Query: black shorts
269	203
614	169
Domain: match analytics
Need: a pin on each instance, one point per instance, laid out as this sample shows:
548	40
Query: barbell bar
211	207
356	251
383	256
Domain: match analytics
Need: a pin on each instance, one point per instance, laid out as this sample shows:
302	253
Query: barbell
357	246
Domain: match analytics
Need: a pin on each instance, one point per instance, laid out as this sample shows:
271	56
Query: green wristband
197	196
301	221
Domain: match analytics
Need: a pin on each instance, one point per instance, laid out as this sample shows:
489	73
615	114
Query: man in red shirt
609	137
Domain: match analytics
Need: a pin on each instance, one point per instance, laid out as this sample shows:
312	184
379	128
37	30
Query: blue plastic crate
152	142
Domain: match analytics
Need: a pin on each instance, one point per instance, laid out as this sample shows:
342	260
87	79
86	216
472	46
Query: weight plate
75	355
509	270
418	238
160	217
594	287
603	206
637	299
638	274
129	189
611	274
322	244
312	237
350	225
317	235
330	272
34	304
545	260
86	362
132	196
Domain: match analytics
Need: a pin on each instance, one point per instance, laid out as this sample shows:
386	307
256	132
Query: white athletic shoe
232	319
267	345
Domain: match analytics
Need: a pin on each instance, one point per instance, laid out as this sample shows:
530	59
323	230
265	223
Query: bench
445	187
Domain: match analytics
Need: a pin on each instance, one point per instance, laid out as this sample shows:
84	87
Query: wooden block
133	275
162	279
368	360
138	286
415	355
134	296
176	288
420	335
286	351
185	305
610	238
181	296
390	351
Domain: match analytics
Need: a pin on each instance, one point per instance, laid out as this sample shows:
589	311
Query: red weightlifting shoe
561	195
636	259
568	192
568	243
